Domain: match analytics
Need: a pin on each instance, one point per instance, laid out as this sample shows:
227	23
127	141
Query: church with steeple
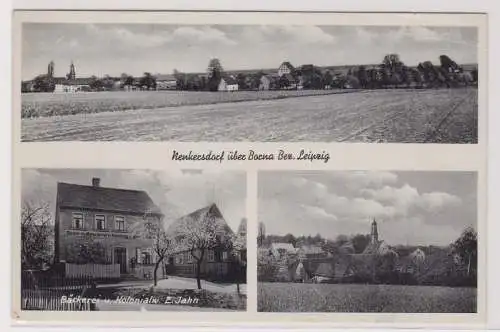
376	246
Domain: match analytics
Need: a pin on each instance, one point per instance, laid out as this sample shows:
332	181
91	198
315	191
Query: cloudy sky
99	49
176	192
410	207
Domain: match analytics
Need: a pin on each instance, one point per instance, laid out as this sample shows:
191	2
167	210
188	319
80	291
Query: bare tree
36	233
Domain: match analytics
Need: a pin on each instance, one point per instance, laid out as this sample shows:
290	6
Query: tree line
390	73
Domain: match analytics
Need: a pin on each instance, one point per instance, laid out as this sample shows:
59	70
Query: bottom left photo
133	240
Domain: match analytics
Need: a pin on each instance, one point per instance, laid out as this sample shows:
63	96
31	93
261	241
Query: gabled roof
105	199
280	245
165	77
311	250
229	80
288	65
199	216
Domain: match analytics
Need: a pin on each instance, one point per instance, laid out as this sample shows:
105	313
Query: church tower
374	233
50	69
72	73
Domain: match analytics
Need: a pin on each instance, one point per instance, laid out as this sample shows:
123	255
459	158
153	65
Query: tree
466	249
36	233
151	228
50	69
289	238
215	72
267	266
359	242
148	81
198	234
261	234
341	239
362	77
96	83
43	83
237	260
328	79
86	250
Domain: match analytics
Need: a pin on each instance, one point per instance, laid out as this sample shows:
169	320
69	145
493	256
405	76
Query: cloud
129	36
317	212
287	34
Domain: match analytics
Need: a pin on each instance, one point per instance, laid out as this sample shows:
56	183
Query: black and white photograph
367	241
253	83
133	240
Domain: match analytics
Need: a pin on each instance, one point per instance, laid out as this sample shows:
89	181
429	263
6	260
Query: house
285	68
105	222
282	250
166	82
217	260
72	85
227	83
287	82
311	251
269	82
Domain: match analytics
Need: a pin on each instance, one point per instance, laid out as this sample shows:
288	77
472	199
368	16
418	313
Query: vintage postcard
217	168
268	80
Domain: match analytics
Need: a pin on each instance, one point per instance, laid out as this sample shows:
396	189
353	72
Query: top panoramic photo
251	83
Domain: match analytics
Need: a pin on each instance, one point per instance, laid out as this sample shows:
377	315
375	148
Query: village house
285	68
166	82
228	83
218	259
95	231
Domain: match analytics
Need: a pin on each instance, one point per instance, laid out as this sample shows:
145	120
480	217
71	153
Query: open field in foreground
53	104
290	297
409	116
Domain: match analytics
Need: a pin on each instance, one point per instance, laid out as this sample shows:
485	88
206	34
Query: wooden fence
98	271
41	291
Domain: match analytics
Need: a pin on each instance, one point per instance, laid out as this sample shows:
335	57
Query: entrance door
121	258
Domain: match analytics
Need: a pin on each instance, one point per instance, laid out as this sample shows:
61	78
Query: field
406	116
289	297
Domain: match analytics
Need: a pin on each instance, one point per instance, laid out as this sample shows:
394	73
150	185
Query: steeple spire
374	232
72	72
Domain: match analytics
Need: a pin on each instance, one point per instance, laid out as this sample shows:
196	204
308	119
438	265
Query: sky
411	208
99	49
177	193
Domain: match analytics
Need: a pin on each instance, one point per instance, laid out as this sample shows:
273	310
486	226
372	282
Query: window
211	256
100	222
146	257
120	223
77	222
189	257
224	255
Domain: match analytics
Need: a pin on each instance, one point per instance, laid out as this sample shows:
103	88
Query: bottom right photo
363	241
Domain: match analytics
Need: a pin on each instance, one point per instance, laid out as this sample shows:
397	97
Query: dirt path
374	116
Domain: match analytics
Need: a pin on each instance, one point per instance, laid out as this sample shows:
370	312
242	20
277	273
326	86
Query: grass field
407	116
52	104
289	297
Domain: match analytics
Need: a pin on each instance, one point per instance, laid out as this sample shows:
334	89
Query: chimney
96	182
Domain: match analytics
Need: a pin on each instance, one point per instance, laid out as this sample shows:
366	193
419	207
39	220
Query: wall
92	270
109	238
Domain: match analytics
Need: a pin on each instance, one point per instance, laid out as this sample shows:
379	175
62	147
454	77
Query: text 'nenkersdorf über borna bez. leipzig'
251	155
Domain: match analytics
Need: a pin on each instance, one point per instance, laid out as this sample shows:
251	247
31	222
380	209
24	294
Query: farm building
285	68
102	221
269	82
72	85
166	82
227	83
311	251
